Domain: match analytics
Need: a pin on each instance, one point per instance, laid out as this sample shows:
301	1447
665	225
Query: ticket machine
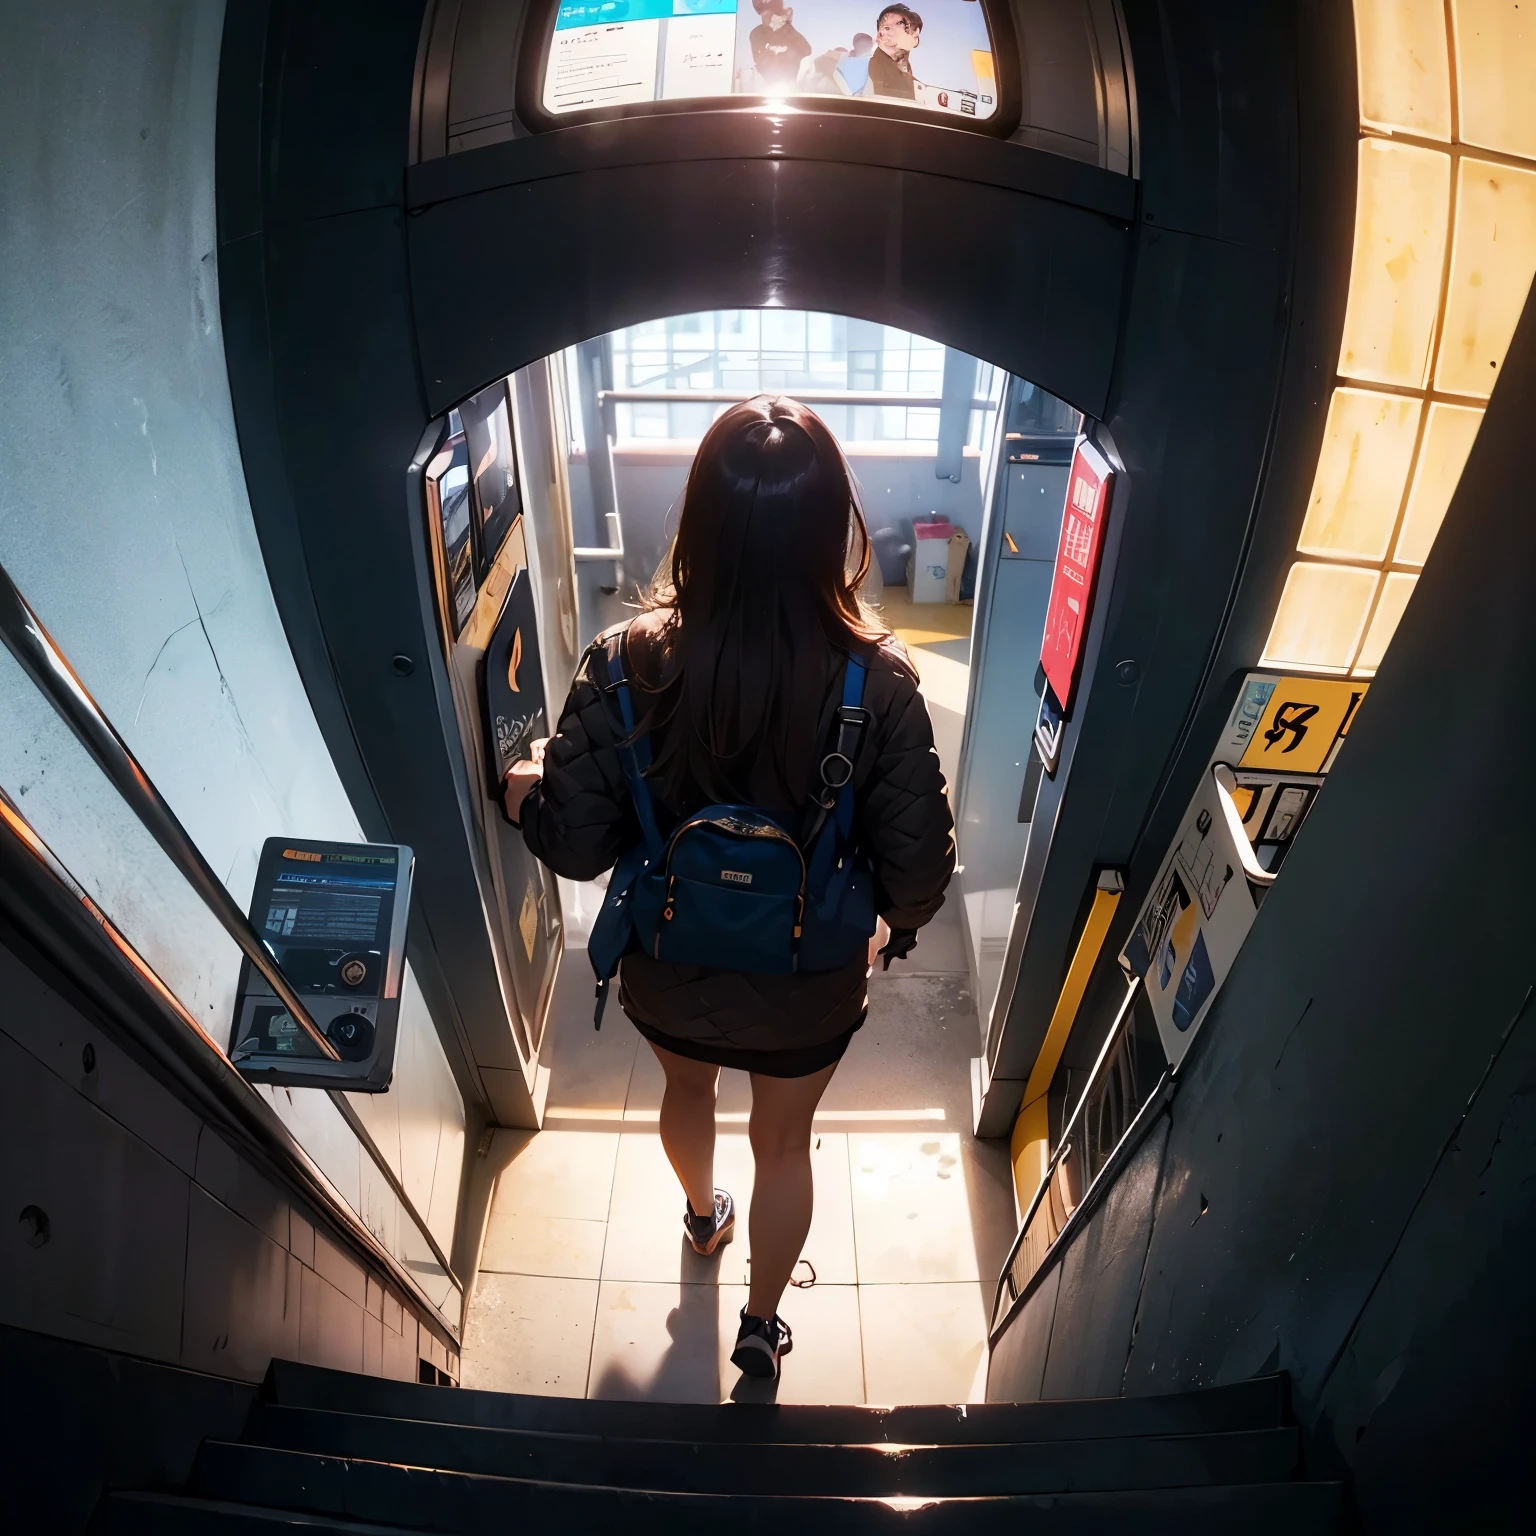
497	525
334	916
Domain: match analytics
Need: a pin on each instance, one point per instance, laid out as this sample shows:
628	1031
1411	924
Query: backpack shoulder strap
834	797
852	721
634	748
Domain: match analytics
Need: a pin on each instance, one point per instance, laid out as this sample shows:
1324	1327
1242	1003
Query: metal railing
1097	1137
44	663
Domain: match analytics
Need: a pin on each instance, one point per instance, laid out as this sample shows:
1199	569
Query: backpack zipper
737	830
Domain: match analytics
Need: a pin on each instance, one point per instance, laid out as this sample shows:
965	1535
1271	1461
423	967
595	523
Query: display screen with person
898	31
777	48
854	70
835	51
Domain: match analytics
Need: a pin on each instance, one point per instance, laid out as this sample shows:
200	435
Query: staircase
328	1451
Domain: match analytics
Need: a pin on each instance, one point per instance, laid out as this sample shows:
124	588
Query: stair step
436	1501
168	1514
1248	1456
1256	1404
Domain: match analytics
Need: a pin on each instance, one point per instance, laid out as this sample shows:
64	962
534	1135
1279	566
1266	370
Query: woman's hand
881	934
521	777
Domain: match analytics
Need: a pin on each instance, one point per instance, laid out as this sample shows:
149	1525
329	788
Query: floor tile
645	1238
664	1343
940	943
911	1209
645	1223
589	1068
557	1173
544	1245
924	1343
912	1057
530	1333
827	1363
672	1343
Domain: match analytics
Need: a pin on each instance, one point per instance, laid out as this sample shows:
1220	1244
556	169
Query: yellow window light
1361	473
1321	617
1492	260
1448	437
1405	71
1389	612
1402	209
1495	68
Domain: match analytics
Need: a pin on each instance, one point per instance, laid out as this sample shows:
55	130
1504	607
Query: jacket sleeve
578	819
904	812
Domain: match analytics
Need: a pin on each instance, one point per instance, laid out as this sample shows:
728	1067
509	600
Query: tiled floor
587	1286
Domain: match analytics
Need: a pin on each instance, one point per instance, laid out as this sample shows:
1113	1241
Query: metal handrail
805	396
159	1024
1226	788
41	659
1063	1146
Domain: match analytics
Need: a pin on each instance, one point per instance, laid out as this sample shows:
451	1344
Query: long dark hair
754	609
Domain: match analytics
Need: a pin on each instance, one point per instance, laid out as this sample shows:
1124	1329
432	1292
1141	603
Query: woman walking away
705	750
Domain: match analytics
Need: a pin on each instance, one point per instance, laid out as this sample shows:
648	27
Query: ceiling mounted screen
935	56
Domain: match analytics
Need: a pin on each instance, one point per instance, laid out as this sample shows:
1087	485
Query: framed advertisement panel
1078	552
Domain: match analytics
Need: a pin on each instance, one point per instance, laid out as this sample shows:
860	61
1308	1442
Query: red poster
1077	567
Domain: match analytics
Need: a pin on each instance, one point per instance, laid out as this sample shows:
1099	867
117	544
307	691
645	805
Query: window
1445	249
673	377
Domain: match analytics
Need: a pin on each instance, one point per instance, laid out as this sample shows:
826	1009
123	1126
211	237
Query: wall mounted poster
1282	735
1194	922
934	54
1077	569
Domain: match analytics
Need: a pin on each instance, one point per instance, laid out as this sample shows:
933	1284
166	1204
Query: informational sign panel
1077	569
515	715
936	55
1281	738
1304	721
493	470
334	917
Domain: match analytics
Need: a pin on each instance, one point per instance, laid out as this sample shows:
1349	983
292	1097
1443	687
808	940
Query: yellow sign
1301	722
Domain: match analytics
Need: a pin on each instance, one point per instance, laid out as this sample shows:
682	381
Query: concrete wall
159	1243
124	520
1345	1186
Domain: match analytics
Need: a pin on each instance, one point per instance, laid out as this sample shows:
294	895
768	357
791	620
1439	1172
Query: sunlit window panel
1448	437
1361	474
1321	617
1495	68
1405	70
1389	612
1402	206
1492	259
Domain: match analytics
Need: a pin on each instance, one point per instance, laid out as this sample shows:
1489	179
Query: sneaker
706	1233
761	1342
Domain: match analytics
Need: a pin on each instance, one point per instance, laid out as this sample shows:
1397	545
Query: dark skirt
793	1063
780	1025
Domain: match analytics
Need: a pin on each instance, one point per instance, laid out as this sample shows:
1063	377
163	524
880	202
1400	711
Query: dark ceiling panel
503	277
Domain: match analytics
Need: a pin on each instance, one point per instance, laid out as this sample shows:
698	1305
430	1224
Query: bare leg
782	1109
688	1125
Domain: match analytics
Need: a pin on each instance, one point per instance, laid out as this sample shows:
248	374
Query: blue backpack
732	888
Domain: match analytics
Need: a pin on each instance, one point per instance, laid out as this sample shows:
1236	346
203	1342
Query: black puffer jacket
580	819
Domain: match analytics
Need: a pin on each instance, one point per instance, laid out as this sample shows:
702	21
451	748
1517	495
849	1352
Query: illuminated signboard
935	55
1077	567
